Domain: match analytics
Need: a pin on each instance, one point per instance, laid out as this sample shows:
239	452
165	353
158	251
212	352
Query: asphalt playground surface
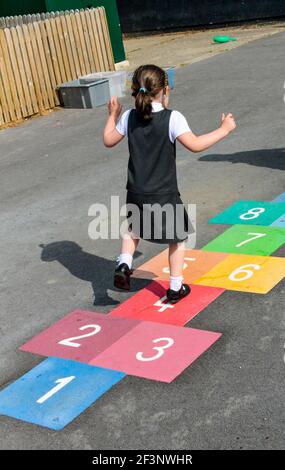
53	168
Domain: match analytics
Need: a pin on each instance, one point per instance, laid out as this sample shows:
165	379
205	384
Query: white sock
176	283
125	258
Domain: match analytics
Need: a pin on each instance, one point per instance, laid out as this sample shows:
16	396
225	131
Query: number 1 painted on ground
61	383
255	237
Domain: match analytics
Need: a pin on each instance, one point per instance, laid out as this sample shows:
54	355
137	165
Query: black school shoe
122	277
174	296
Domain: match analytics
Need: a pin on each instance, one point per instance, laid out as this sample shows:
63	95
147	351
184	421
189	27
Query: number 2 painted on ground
248	273
254	237
159	349
61	383
70	341
252	213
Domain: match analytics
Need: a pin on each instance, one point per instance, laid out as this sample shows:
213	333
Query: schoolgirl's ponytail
148	81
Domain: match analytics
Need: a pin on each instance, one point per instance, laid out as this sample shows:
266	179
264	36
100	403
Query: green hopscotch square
253	240
250	213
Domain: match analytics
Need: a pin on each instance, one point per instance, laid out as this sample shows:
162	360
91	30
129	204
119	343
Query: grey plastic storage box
117	81
84	95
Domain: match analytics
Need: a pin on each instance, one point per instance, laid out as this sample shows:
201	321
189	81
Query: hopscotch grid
280	199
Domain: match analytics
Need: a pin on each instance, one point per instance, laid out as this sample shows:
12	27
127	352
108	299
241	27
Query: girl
152	131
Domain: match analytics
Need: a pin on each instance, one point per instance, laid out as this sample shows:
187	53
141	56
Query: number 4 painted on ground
163	304
254	237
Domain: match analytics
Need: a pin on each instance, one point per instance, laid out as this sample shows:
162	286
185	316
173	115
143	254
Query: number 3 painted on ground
159	349
248	273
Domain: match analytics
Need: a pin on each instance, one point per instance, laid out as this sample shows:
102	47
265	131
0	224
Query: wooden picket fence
39	52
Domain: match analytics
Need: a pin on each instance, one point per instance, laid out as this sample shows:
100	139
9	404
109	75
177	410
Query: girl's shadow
87	267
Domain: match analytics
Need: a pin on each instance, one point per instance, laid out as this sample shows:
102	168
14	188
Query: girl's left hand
115	107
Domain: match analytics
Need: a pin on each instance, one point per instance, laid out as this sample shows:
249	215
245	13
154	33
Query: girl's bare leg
176	259
176	262
129	244
124	270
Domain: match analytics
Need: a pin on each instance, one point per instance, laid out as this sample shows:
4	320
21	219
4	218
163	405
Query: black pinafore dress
154	208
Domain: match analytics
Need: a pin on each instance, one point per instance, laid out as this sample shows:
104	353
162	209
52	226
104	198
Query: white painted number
162	304
69	341
185	265
245	271
61	383
159	349
252	213
255	236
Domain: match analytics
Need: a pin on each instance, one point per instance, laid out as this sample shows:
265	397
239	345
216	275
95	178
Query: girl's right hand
228	122
115	107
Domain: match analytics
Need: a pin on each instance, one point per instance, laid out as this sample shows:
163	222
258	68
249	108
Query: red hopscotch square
75	324
182	346
150	304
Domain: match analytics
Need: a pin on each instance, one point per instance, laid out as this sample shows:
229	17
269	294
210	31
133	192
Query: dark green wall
21	7
157	15
112	16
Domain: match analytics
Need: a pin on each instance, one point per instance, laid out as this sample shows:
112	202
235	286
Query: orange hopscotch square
196	264
245	273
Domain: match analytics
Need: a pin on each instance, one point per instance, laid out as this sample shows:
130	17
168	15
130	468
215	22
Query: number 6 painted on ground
243	269
159	349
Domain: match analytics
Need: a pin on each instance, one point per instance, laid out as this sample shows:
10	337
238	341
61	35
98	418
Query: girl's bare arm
203	142
111	136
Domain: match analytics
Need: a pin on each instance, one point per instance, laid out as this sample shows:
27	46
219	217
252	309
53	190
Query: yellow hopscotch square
257	274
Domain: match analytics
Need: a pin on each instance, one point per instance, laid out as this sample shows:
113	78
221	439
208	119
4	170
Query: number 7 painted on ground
261	241
255	237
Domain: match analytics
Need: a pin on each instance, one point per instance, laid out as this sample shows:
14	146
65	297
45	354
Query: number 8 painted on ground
243	269
252	213
159	349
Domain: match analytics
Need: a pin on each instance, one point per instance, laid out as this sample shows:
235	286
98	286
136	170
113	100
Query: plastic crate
117	81
75	94
171	76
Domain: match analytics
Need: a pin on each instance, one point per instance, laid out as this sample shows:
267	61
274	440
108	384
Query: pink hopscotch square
156	351
79	336
150	304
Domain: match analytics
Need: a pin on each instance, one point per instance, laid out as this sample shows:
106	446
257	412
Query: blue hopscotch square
55	392
279	222
280	198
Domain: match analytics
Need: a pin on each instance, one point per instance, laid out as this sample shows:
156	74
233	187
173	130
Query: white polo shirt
178	124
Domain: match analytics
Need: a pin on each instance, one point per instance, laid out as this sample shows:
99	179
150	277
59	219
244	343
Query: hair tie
143	90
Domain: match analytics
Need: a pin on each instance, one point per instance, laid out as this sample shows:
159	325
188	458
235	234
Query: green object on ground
222	39
248	240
